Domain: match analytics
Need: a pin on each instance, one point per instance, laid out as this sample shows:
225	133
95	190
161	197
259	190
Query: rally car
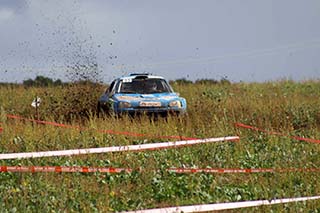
141	94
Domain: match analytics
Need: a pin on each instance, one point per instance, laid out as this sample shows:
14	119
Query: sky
241	40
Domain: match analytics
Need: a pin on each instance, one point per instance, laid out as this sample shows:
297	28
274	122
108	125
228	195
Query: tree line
42	81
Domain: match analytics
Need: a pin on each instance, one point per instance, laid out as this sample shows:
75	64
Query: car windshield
144	86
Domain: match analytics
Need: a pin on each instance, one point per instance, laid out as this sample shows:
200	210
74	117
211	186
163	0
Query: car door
105	102
110	94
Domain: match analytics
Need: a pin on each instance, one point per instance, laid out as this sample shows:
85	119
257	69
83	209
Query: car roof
139	75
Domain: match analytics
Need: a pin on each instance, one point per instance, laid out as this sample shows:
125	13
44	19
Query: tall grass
288	107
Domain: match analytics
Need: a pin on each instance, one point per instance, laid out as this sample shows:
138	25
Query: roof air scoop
140	74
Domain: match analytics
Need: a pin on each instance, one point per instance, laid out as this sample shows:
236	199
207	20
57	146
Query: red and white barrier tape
85	169
62	169
256	170
225	206
142	147
43	122
132	134
276	133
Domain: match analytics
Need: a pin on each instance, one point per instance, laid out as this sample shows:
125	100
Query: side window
115	87
110	87
167	86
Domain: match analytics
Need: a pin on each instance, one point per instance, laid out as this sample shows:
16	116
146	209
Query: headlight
124	105
175	104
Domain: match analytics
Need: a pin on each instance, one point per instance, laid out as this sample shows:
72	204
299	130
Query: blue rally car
141	94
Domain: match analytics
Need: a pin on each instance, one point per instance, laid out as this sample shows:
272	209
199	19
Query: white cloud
6	14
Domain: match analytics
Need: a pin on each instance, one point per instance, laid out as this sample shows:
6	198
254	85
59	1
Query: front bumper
148	111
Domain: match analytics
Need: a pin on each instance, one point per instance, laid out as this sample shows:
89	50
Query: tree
41	81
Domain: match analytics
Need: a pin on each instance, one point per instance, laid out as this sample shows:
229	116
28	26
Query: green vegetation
288	107
41	81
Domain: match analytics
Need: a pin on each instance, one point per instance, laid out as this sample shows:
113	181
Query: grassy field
288	107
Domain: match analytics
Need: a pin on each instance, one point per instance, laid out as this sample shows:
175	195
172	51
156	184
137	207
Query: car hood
146	97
